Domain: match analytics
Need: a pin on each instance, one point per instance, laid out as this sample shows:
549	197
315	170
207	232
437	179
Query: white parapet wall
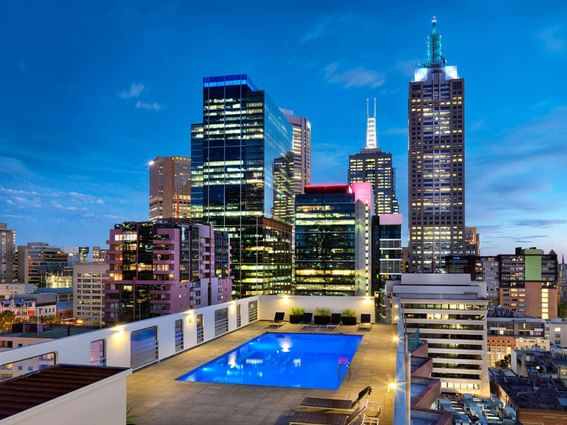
270	304
76	349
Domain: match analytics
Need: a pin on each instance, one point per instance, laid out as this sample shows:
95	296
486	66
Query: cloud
133	92
542	223
553	38
396	131
355	77
326	25
86	198
154	106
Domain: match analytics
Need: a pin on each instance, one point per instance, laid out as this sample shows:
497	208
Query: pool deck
156	398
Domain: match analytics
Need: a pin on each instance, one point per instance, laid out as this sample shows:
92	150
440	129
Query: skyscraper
7	247
332	240
235	152
436	160
301	150
170	187
374	166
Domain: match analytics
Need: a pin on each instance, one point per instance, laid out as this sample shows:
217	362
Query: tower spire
434	52
371	138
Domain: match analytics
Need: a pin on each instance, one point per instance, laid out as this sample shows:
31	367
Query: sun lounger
307	319
356	417
333	405
278	320
335	321
365	322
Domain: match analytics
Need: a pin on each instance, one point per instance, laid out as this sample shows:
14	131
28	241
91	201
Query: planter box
322	320
348	321
295	319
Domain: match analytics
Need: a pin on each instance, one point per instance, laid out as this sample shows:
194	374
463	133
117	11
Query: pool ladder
347	365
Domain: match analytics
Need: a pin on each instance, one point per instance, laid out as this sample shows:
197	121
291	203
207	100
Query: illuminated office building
170	187
301	150
43	265
374	166
332	240
235	151
436	161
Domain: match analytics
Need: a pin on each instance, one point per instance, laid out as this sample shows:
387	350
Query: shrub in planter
322	316
296	314
348	317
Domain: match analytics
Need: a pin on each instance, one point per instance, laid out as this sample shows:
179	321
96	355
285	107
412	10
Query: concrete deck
156	398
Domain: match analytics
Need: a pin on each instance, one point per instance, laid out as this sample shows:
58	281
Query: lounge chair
278	320
334	405
307	319
365	322
356	417
335	320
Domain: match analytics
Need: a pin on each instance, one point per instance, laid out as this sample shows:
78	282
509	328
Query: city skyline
67	137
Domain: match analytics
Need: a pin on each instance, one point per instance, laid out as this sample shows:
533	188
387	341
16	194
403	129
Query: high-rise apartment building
7	248
235	152
163	267
170	187
42	265
374	166
472	241
450	313
301	150
88	291
436	160
332	240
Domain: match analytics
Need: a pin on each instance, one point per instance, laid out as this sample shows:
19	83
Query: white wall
270	304
76	349
103	402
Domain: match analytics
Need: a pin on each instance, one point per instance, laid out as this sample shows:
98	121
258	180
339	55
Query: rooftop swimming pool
315	361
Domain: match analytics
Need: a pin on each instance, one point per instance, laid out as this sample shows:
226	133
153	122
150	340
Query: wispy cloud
326	25
355	77
396	131
153	106
554	38
541	223
133	92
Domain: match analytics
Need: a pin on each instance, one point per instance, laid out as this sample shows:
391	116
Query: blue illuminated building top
229	80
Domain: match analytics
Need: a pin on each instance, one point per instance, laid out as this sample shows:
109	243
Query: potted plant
348	317
322	316
296	314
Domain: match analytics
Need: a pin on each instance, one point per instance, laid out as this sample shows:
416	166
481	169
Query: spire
434	47
371	139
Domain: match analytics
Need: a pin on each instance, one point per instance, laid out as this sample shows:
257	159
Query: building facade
450	312
301	150
234	152
332	240
7	248
88	291
529	283
99	254
170	187
436	161
42	265
163	267
374	166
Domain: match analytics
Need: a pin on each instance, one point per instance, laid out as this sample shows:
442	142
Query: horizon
82	115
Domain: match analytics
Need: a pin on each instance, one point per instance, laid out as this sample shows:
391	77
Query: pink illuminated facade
164	267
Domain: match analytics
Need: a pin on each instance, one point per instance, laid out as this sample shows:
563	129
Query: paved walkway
156	398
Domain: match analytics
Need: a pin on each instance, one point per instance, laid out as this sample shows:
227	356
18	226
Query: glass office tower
234	151
436	161
332	240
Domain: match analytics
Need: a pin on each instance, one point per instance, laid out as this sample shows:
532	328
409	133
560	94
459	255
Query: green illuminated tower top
434	47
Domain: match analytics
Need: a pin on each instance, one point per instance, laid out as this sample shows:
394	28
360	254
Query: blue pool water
283	360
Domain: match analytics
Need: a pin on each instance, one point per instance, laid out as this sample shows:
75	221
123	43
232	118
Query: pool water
283	360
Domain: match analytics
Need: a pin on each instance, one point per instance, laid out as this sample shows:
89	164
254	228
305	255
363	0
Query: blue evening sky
91	91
